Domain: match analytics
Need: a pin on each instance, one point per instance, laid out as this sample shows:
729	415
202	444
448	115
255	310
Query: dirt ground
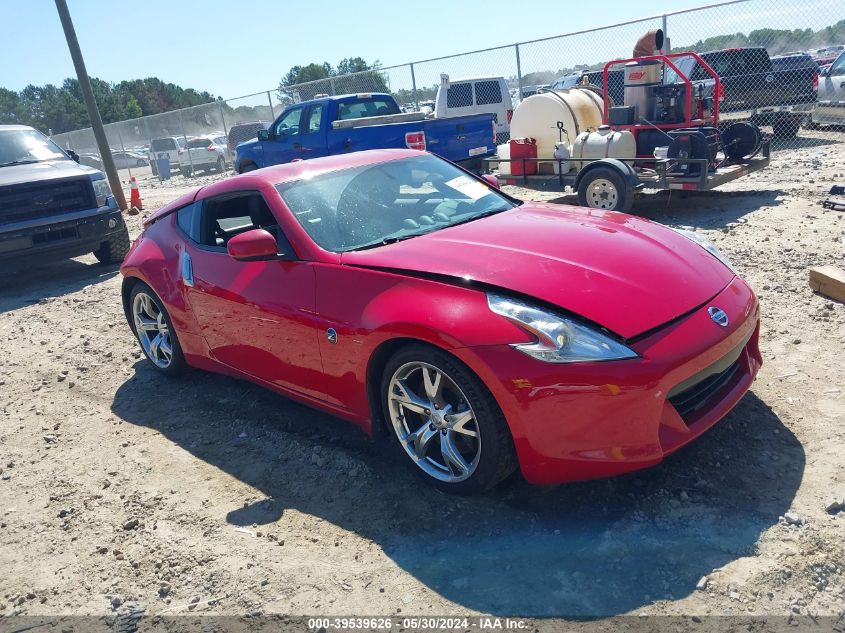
119	487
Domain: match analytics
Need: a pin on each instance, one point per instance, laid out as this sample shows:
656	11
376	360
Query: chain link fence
798	97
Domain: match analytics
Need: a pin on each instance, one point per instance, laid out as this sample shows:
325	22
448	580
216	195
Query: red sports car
479	332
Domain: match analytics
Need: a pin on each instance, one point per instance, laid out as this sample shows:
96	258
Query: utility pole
91	104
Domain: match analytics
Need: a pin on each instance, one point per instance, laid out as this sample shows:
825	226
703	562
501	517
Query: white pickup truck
203	153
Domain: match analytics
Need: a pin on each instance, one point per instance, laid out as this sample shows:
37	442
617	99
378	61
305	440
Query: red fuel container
523	148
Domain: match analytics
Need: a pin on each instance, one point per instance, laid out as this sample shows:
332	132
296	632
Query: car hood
625	273
45	170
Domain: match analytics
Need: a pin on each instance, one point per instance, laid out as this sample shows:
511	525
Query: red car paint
267	320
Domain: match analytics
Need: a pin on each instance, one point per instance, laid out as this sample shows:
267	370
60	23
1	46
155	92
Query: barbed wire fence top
813	27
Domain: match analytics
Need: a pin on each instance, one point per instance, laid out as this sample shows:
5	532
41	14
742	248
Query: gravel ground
119	487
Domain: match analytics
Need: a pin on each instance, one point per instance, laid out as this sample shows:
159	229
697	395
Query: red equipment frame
712	120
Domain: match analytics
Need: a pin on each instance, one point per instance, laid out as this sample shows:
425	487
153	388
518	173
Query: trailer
679	142
610	183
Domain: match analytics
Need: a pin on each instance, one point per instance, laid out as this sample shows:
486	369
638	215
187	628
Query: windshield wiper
478	216
390	239
19	162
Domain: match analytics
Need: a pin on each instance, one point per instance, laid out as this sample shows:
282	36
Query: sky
237	48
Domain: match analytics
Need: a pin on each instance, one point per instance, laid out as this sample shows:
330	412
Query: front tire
114	249
221	165
445	422
605	188
786	129
155	333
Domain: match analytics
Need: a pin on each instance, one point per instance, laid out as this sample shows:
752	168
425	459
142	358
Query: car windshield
372	205
23	146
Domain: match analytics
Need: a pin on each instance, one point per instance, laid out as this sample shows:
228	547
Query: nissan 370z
480	333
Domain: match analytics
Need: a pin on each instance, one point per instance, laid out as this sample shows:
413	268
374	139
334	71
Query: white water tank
604	143
503	151
538	117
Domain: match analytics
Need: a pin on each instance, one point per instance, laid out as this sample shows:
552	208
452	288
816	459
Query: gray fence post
223	122
185	136
123	147
331	86
414	89
272	110
667	46
518	72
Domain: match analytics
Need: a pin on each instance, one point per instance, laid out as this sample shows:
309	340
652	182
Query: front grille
43	199
697	396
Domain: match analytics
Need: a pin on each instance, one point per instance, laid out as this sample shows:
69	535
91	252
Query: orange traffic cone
135	197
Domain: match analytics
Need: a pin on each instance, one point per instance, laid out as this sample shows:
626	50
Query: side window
838	67
459	95
187	219
223	218
289	123
315	115
487	92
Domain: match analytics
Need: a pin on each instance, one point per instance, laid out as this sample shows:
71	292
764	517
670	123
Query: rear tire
114	249
605	188
248	167
221	165
463	406
156	321
187	172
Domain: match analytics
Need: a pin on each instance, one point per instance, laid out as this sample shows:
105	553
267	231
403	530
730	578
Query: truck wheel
187	172
221	165
248	167
114	249
786	128
605	188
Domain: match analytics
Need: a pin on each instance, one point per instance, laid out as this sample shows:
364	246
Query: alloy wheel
434	422
152	330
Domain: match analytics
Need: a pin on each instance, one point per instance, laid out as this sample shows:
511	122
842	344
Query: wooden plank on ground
829	281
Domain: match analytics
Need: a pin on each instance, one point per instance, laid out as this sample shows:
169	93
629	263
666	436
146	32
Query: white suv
166	147
205	153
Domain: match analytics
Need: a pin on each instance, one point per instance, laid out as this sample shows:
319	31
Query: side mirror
824	72
491	180
263	135
252	246
73	155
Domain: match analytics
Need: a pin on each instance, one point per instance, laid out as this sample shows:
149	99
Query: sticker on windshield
470	188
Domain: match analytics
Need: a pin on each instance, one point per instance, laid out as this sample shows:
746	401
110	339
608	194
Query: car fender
624	169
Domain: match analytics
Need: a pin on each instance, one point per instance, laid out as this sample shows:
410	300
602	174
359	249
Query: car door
313	137
284	143
831	105
257	317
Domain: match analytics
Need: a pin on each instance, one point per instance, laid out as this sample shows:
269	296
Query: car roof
278	174
16	127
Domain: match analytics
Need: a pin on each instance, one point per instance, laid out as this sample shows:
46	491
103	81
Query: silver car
830	108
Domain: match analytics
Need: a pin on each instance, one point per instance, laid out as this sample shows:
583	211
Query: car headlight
707	245
102	191
559	339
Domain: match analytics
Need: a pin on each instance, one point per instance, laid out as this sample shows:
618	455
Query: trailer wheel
605	188
785	128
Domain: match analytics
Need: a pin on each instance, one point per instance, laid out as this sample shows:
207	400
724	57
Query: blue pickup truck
349	123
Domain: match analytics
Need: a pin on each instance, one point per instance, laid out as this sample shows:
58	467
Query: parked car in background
52	207
241	132
355	122
615	81
753	90
122	160
221	141
530	91
475	332
478	95
91	160
794	61
830	108
166	147
202	153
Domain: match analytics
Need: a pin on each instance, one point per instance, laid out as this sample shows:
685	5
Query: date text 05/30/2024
411	623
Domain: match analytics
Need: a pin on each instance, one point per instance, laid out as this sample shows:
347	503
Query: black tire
177	364
248	167
497	458
114	249
624	192
221	165
785	128
187	171
140	163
